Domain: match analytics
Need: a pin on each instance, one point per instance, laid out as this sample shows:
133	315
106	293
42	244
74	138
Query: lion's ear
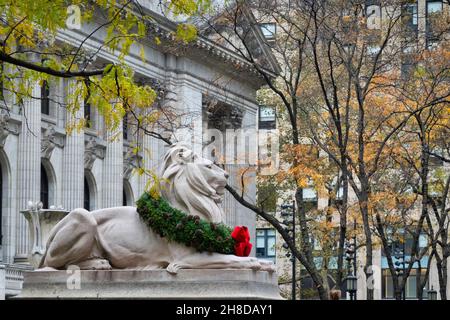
185	156
179	158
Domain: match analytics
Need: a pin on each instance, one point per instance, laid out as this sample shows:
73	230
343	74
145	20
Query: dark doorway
44	188
87	195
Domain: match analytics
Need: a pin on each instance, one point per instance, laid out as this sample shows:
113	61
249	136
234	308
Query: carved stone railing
11	279
40	223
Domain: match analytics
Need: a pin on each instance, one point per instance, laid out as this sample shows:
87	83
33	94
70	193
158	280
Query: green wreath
175	225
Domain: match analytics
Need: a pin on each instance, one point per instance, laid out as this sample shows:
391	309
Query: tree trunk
443	280
342	232
363	203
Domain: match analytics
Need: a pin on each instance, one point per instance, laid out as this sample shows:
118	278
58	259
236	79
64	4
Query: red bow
242	246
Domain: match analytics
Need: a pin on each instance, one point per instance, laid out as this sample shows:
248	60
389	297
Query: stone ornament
92	152
40	223
50	140
118	238
7	127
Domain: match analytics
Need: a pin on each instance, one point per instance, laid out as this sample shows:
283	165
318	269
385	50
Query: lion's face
213	175
193	183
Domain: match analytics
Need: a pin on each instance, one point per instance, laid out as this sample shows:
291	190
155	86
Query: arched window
87	105
125	126
44	187
127	194
87	195
45	98
124	198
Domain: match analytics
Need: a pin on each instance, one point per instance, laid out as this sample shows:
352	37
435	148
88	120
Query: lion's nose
226	175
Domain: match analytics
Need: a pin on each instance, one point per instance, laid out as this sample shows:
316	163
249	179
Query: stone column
113	172
29	164
247	147
152	156
229	204
73	160
189	106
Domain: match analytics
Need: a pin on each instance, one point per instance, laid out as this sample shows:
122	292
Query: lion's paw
254	264
173	268
268	266
95	264
46	269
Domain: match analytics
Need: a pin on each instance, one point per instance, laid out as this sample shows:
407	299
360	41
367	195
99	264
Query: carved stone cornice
50	139
7	126
93	150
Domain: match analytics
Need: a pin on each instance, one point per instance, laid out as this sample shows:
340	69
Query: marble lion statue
118	238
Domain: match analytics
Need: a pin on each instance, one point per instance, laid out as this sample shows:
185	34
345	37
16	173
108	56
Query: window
2	97
411	284
310	199
410	14
339	201
269	30
125	126
373	13
124	198
266	118
44	188
45	98
265	244
407	69
87	196
423	242
87	105
372	50
433	8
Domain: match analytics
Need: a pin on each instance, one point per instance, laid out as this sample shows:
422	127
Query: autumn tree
342	75
31	53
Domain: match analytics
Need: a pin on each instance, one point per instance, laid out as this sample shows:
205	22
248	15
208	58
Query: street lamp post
400	265
292	257
351	280
432	294
351	284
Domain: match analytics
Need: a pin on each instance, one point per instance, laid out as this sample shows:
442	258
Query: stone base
150	284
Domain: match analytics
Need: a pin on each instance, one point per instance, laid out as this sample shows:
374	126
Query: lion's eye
209	166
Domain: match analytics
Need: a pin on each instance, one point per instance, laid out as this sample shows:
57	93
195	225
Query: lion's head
193	184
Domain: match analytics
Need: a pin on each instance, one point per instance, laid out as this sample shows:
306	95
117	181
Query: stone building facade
39	160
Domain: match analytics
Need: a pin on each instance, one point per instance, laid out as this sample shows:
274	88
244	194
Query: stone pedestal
40	223
150	284
2	282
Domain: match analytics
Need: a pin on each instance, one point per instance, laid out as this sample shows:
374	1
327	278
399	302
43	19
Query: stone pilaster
229	204
29	164
113	172
189	106
152	157
73	160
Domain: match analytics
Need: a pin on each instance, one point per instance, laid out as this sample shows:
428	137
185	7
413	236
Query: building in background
418	16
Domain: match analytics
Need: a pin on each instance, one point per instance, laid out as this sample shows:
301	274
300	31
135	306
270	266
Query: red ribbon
242	246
